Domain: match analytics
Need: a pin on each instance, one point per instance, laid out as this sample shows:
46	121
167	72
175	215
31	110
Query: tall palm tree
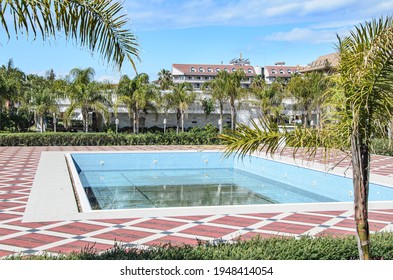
361	105
124	95
268	97
165	79
87	95
308	91
98	25
13	86
216	89
235	92
137	95
144	96
180	99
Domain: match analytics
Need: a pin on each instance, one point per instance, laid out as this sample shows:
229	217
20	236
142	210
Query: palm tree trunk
233	115
41	124
137	121
361	173
134	122
178	116
86	117
221	116
182	121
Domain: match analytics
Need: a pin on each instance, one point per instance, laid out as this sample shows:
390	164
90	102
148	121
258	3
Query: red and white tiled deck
17	170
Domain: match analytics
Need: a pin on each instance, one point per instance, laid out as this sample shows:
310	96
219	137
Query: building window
206	78
217	70
289	71
273	71
281	71
249	71
226	69
199	77
233	70
209	70
201	69
192	69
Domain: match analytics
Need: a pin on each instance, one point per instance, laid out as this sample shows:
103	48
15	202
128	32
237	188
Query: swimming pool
106	181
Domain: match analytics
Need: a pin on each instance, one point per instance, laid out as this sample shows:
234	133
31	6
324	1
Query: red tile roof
286	71
186	69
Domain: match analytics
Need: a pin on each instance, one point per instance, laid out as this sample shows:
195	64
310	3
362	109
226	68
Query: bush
274	248
107	139
382	147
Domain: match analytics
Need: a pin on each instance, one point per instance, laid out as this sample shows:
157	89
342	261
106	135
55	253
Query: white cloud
157	14
307	35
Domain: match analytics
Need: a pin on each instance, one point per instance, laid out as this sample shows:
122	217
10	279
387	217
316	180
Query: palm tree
124	95
144	97
180	99
361	105
87	95
269	97
12	88
234	92
216	88
308	91
165	79
98	25
137	95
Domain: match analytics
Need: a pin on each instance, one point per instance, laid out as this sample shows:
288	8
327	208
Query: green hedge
275	248
107	139
382	147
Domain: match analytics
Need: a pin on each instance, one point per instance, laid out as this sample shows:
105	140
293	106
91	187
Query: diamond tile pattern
17	170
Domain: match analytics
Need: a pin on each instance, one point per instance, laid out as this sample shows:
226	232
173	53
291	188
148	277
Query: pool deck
18	166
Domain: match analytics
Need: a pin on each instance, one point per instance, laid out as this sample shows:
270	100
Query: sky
207	32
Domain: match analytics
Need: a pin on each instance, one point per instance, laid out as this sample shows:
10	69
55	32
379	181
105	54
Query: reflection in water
185	188
172	196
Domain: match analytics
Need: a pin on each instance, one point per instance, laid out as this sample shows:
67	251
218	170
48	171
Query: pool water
197	179
184	188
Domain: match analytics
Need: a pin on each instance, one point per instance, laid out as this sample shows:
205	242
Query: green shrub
107	139
382	147
275	248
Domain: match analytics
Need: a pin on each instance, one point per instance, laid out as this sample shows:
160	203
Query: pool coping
52	196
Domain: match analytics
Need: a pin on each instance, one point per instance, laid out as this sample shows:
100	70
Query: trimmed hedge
274	248
107	139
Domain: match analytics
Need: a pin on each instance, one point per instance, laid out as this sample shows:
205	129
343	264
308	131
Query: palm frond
98	25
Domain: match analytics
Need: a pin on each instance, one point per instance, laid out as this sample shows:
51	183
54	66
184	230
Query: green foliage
107	139
97	25
382	147
208	106
274	248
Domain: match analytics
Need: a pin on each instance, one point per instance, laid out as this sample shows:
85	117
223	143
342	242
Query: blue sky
208	32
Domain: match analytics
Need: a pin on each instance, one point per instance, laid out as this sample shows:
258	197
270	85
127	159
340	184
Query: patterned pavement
17	170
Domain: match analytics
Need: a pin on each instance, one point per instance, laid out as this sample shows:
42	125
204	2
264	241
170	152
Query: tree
13	85
124	93
361	105
234	92
87	95
97	25
180	99
137	95
308	91
269	97
144	96
216	88
165	79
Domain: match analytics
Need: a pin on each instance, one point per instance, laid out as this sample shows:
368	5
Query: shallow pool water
189	179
